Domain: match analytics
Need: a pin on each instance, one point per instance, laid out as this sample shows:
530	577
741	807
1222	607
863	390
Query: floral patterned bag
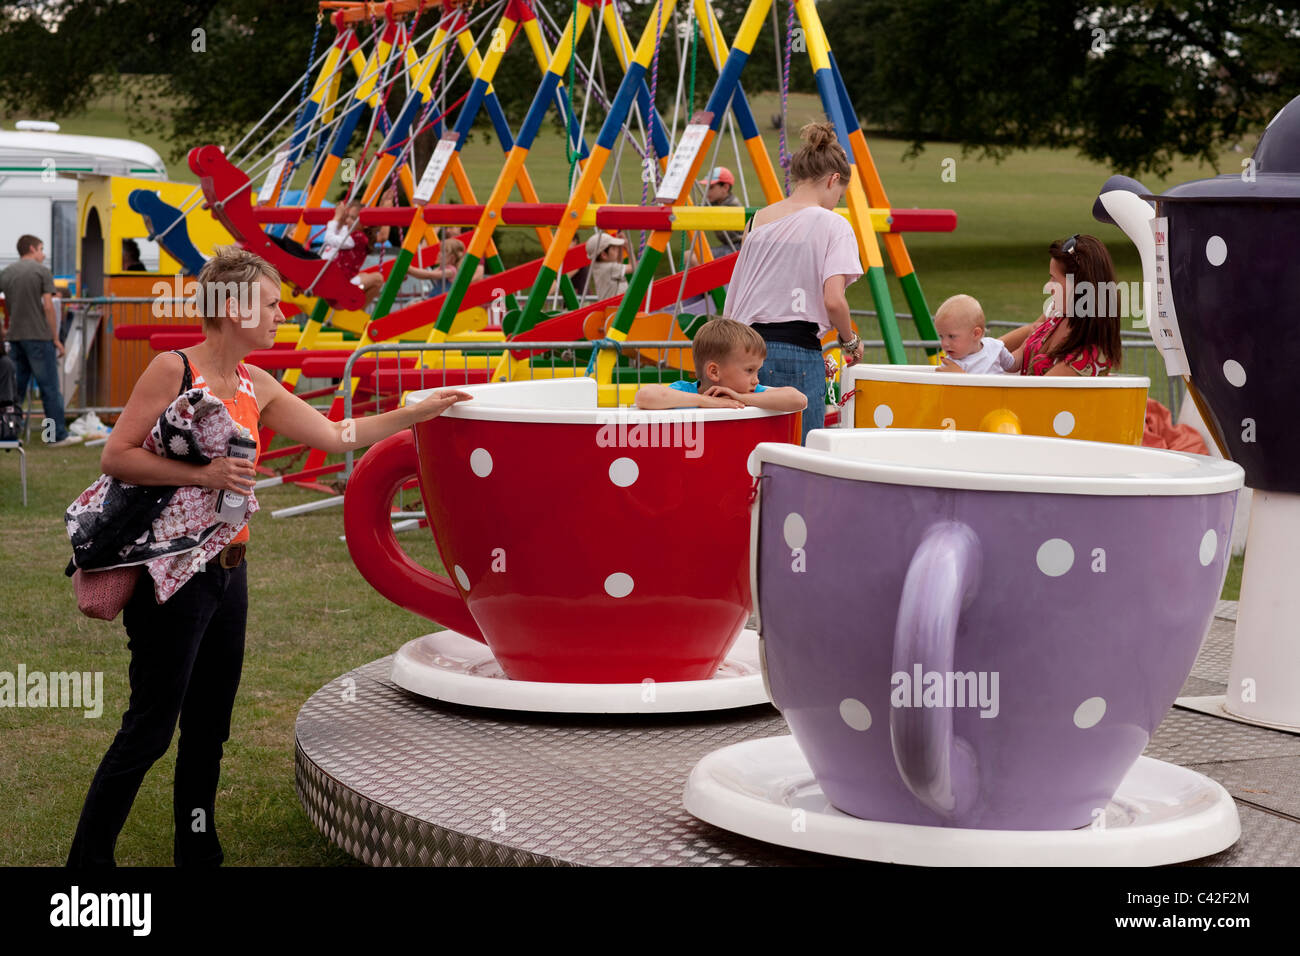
116	527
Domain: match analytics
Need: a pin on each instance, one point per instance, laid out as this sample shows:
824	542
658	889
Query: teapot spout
1119	205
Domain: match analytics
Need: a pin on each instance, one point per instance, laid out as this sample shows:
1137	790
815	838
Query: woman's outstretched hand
438	402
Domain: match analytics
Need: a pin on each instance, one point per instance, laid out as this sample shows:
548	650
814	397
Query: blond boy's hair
452	250
719	339
229	274
961	306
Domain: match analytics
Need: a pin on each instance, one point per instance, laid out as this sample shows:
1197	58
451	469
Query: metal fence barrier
88	373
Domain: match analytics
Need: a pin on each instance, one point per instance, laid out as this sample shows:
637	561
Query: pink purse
103	594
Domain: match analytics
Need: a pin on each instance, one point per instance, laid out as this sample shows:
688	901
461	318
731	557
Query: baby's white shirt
337	236
991	359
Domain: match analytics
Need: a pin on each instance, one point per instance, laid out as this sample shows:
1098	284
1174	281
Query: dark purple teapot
1231	267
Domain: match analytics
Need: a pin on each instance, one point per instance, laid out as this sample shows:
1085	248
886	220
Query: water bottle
231	504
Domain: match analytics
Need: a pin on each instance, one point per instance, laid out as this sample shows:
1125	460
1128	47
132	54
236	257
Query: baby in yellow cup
960	324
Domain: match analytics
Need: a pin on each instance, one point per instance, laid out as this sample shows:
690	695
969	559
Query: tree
1133	85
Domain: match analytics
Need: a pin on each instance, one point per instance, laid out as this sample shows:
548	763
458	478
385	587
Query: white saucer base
1217	706
764	789
456	669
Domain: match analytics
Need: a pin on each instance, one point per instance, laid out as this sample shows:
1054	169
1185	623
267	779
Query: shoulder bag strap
187	380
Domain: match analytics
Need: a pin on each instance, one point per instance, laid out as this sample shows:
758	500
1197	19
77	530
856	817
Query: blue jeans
34	358
800	368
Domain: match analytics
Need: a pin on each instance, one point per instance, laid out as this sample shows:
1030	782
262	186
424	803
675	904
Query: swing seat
227	191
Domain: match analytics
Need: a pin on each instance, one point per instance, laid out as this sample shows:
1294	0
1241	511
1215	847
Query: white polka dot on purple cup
1090	712
854	713
1055	557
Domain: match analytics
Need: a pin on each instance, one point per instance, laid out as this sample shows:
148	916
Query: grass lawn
312	617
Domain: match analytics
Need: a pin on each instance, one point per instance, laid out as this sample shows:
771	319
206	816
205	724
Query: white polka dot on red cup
854	713
883	416
624	472
795	530
1234	372
461	577
618	585
480	462
1089	713
1209	545
1216	250
1055	557
1063	423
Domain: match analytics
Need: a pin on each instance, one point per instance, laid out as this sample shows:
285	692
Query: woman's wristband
852	345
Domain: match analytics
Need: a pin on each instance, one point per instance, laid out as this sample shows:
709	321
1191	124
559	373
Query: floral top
1037	361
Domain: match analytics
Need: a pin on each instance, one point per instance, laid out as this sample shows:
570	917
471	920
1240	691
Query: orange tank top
243	409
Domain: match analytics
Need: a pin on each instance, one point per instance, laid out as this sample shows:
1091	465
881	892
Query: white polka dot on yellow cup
883	416
1055	557
480	462
618	585
1063	423
854	713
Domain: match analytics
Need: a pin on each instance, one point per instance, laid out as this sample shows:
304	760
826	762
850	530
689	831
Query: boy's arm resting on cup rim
784	398
653	397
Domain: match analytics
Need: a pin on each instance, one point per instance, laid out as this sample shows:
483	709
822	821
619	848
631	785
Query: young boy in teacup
728	355
960	324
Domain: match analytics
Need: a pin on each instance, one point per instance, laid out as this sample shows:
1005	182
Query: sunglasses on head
1069	245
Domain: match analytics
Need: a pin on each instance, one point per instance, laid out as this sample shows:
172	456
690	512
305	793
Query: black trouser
186	656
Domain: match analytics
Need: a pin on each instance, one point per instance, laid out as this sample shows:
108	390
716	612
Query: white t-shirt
992	358
784	264
337	236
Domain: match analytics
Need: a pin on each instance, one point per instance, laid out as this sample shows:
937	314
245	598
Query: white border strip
1209	476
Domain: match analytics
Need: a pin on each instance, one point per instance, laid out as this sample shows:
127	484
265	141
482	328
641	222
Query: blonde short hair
222	277
719	339
965	307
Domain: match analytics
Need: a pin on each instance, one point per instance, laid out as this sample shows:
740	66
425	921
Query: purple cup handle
942	580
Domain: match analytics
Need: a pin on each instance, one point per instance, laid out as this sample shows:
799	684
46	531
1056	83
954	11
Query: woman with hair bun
797	258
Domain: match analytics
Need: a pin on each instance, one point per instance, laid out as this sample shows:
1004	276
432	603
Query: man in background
717	192
33	332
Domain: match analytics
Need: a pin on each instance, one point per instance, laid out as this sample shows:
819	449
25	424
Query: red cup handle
374	548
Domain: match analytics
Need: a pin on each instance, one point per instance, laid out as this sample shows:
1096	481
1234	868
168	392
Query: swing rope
785	95
690	111
571	148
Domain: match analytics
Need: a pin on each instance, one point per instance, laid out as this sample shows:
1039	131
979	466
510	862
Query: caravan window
61	253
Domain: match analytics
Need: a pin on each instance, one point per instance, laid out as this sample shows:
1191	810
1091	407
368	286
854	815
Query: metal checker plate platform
398	780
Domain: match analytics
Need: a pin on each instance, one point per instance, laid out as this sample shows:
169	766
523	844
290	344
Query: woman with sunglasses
1078	333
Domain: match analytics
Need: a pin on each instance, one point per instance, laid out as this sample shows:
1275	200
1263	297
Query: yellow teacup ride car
1109	408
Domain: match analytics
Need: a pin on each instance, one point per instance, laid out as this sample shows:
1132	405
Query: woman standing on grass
187	653
797	259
